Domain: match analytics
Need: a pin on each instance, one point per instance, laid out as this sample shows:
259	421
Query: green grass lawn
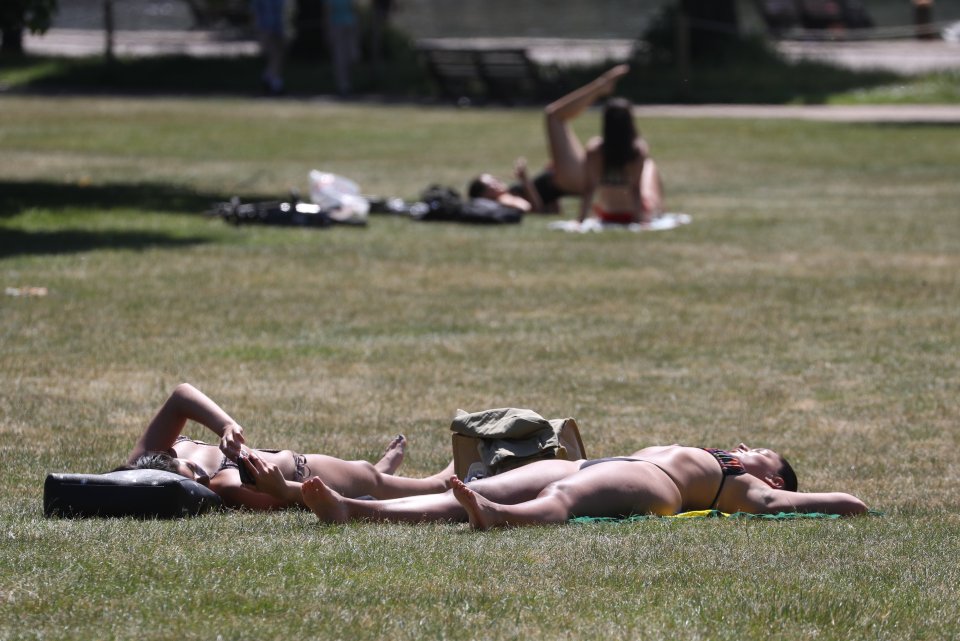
811	307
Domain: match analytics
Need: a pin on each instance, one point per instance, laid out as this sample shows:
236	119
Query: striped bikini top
730	465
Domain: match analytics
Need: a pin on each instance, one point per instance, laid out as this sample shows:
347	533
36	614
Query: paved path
86	42
900	56
550	51
903	56
943	114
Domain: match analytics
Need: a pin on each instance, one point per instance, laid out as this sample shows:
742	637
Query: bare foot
611	77
483	514
393	457
324	502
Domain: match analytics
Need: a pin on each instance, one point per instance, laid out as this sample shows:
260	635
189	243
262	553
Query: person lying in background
273	477
490	187
661	480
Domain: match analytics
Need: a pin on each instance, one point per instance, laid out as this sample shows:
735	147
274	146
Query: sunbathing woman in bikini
655	480
633	177
278	474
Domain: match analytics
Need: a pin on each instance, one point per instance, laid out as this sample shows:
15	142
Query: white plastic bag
339	196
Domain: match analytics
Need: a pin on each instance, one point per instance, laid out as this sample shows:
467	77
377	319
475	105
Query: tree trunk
108	32
12	41
309	31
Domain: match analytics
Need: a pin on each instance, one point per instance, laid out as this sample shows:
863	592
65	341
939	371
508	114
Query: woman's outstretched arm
592	169
760	498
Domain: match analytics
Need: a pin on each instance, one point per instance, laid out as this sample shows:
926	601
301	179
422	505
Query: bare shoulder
642	146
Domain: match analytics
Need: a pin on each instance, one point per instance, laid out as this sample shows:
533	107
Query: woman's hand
268	476
231	441
520	168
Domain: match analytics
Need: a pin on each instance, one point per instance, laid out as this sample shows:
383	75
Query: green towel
714	514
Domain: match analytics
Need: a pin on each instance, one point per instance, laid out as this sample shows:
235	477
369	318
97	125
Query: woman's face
759	462
192	471
494	185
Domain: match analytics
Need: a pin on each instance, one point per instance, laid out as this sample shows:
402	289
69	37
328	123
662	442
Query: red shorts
618	217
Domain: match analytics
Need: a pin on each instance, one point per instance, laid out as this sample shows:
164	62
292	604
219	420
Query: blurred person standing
344	46
378	29
923	19
268	18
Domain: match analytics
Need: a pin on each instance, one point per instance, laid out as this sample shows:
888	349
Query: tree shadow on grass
17	242
401	75
17	197
914	124
139	76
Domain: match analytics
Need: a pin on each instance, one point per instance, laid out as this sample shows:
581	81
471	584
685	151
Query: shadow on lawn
16	242
17	197
401	76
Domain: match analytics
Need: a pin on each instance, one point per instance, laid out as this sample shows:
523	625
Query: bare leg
609	489
521	484
360	478
393	457
484	514
443	474
272	46
566	151
332	507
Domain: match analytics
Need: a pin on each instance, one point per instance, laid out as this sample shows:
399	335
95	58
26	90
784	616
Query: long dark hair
619	138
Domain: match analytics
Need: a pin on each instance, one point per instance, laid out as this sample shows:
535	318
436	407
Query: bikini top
224	461
730	465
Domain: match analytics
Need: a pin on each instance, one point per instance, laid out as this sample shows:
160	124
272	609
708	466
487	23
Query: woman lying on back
276	474
661	480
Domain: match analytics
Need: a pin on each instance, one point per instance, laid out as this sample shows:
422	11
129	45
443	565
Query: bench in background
506	76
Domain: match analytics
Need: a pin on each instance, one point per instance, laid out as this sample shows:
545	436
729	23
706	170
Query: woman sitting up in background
621	175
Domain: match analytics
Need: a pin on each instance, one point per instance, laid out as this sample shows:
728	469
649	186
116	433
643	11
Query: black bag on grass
270	213
445	204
